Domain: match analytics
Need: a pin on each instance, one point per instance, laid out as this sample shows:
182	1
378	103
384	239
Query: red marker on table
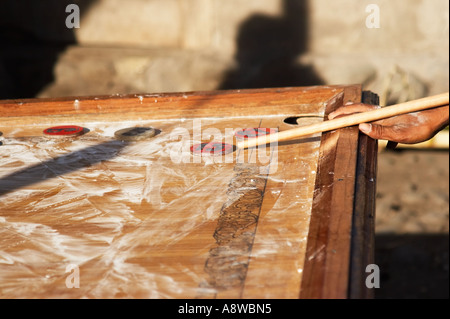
64	130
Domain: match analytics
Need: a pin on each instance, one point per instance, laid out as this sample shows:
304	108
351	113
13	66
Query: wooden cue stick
349	120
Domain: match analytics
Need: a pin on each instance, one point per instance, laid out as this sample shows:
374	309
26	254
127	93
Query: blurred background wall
182	45
145	46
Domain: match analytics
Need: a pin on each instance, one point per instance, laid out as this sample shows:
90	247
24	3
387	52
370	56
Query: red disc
65	130
254	132
212	148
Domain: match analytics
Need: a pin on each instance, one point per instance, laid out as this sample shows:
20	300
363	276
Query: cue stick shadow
300	141
61	165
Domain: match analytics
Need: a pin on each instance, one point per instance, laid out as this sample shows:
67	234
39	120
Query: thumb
379	132
375	131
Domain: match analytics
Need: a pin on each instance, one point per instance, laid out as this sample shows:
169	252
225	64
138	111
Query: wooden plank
363	228
284	221
173	105
326	270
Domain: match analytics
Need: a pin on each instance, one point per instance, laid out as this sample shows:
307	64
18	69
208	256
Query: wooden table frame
340	245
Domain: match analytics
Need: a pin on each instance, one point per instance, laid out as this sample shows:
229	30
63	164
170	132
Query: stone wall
407	54
181	45
406	57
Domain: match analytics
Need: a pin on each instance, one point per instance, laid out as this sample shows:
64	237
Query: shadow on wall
268	49
32	35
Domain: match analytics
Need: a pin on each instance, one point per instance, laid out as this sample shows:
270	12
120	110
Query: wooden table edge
339	273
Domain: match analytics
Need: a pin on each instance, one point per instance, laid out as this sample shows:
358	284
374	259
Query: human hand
410	128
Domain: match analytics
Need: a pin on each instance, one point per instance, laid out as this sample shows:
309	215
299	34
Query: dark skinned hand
408	128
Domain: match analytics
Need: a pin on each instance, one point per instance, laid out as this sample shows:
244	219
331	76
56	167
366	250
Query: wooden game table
183	213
